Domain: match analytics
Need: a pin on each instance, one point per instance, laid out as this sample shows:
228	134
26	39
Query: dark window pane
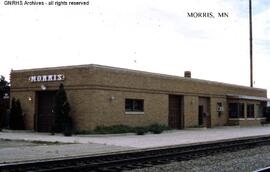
134	105
241	110
129	105
233	110
138	105
250	110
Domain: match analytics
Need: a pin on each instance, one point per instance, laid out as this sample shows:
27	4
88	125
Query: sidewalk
174	137
96	144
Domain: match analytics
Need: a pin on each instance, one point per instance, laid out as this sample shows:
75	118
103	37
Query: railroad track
136	158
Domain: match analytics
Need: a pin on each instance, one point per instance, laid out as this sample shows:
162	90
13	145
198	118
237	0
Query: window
233	110
250	110
236	110
134	105
241	110
259	110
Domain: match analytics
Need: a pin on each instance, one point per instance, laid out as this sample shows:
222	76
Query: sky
148	35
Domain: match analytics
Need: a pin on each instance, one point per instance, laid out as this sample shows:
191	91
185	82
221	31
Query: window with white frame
134	105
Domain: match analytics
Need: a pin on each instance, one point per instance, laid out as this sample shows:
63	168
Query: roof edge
134	71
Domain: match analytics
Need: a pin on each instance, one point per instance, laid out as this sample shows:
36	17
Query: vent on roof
187	74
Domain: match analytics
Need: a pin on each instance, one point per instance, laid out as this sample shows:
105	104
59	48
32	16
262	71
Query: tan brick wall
89	89
81	105
106	111
254	122
216	119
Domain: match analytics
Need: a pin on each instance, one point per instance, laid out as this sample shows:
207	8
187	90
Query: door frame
36	115
180	107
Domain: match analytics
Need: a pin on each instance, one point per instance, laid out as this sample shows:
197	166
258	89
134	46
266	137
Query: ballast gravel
246	160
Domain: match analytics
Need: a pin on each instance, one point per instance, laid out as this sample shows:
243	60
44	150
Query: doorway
176	118
200	115
204	115
45	107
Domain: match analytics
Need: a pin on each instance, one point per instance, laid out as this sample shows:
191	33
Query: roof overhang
243	97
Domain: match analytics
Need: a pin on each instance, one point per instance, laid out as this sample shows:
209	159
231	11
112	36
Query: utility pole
250	43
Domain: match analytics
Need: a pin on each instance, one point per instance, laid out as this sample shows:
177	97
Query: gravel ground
241	161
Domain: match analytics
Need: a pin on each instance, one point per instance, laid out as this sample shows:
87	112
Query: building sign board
47	78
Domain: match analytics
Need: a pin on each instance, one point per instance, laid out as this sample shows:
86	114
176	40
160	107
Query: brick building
101	95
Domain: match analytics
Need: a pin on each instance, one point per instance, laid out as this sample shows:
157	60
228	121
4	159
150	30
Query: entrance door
204	112
200	115
45	110
175	116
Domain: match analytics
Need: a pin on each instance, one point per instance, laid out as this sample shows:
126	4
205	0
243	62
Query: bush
62	119
115	129
84	132
141	130
157	128
16	115
68	127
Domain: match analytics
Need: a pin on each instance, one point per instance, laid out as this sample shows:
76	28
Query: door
204	112
175	116
45	110
200	115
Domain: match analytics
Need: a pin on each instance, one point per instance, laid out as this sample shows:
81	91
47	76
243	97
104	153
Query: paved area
178	137
96	144
28	153
13	143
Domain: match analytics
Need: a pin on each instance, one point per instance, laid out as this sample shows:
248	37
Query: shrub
68	127
115	129
157	128
83	132
140	130
16	115
62	119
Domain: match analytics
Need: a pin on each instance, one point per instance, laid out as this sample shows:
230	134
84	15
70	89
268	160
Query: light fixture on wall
6	96
112	98
29	99
43	87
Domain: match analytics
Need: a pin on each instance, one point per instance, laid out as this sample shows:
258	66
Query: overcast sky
149	35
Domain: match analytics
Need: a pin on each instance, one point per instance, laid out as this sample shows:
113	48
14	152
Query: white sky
157	34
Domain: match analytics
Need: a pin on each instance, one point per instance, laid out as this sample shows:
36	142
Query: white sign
47	78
